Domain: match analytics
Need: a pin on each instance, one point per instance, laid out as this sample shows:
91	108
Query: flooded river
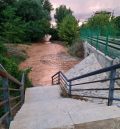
46	59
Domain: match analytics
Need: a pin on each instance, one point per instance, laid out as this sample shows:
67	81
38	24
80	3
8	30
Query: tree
68	29
36	17
31	10
61	13
13	26
35	30
54	33
3	5
117	24
47	6
103	21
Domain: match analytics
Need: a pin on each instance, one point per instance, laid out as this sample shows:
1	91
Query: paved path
46	59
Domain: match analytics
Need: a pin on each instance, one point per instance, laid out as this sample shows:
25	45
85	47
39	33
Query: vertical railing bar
111	87
52	81
91	38
59	78
22	88
106	46
70	88
6	96
97	41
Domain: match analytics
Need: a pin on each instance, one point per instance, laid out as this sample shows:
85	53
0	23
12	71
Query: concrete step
44	93
66	114
63	105
45	109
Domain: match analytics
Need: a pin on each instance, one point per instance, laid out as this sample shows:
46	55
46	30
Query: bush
35	30
11	65
61	12
77	49
25	20
3	50
68	29
54	33
36	17
13	26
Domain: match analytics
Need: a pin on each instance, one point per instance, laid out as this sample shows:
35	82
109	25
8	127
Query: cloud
83	9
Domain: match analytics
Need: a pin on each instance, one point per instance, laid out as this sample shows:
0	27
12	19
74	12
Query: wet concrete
46	59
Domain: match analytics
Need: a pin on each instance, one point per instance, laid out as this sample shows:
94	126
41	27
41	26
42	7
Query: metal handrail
5	103
5	74
68	82
107	69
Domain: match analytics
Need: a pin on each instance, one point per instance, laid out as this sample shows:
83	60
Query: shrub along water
11	66
24	20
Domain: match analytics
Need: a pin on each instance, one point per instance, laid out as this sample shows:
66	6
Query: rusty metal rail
7	99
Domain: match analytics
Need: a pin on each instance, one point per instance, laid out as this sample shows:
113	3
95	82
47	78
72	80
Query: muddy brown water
46	59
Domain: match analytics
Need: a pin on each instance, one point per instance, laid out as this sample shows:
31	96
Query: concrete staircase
44	108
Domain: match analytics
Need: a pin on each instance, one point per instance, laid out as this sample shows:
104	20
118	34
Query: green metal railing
107	43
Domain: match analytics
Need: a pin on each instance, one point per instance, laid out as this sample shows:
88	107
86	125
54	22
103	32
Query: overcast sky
83	9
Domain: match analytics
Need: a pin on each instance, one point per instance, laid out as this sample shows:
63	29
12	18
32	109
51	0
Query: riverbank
46	59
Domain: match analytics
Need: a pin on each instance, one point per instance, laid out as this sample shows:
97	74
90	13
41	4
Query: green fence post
106	46
97	45
91	38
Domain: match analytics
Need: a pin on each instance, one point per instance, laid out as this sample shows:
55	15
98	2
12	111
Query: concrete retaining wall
104	61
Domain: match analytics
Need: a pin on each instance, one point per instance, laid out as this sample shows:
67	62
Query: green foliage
35	30
99	19
30	10
3	5
47	6
24	20
77	49
13	26
3	50
54	33
61	13
10	66
36	15
117	24
102	21
68	29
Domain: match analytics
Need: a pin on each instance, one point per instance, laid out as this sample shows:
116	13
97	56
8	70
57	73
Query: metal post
106	46
111	87
91	38
52	81
97	45
59	78
6	97
70	88
22	88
